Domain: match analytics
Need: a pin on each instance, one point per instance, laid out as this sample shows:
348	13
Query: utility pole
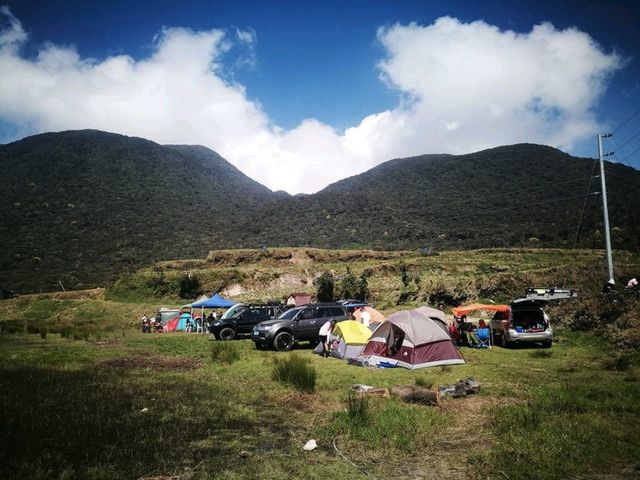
605	209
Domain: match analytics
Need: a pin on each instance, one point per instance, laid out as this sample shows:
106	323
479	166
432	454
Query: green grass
66	401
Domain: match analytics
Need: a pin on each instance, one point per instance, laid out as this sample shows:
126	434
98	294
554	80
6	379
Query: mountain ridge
86	206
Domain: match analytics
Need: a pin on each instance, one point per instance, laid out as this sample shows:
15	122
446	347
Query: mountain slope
82	207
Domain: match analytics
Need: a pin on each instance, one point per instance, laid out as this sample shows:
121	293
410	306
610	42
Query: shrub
225	352
295	371
190	286
348	285
324	285
619	361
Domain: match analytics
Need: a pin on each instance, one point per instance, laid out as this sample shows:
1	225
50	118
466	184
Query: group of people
466	333
153	324
327	328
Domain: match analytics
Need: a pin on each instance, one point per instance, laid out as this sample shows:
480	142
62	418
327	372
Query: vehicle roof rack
549	293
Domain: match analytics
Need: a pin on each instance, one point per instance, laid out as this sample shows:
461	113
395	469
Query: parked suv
298	324
242	319
526	320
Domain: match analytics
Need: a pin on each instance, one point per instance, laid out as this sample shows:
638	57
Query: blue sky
320	61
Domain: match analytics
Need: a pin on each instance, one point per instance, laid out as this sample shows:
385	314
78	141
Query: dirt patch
300	258
159	362
288	281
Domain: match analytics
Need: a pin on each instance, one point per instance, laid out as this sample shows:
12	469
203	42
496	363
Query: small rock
310	445
144	410
245	454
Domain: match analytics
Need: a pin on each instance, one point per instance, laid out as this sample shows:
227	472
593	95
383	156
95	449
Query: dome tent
350	336
412	339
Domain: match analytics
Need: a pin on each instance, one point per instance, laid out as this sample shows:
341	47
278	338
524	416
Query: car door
308	323
247	319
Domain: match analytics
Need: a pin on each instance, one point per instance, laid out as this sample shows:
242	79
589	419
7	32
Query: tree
348	285
362	288
325	284
190	286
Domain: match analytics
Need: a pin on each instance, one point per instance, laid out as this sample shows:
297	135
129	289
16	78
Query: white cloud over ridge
469	86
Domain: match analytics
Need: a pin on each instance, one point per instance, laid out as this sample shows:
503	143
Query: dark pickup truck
242	320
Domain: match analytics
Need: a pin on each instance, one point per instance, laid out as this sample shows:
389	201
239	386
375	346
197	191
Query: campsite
98	399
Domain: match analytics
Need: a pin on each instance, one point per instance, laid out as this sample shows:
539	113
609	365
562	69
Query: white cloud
464	87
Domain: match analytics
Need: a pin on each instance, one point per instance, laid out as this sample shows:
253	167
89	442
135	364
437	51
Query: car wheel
283	342
503	341
227	334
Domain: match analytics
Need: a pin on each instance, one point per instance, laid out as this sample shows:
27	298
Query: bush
295	371
324	286
190	286
225	352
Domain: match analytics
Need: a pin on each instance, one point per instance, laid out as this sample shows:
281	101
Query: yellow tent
352	332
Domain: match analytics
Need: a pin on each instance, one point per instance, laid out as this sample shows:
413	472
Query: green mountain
82	207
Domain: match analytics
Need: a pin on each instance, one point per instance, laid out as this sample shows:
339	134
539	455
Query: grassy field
76	377
73	409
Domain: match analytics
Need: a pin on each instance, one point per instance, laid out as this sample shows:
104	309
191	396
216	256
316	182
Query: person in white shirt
365	317
325	332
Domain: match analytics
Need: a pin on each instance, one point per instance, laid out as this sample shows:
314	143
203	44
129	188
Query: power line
474	201
620	146
517	206
584	204
626	121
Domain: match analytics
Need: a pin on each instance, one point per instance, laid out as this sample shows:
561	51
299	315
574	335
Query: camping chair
484	337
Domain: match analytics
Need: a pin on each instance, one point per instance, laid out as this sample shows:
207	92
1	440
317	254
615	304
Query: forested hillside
83	207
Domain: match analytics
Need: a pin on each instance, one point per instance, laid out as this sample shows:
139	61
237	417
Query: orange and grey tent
376	316
467	309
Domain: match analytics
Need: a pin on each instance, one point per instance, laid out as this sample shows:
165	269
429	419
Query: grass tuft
358	408
224	352
295	371
424	382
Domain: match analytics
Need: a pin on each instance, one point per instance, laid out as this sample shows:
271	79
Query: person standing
325	333
365	317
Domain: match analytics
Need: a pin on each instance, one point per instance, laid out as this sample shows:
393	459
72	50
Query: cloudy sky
300	94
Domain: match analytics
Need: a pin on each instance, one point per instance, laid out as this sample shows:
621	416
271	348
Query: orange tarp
466	309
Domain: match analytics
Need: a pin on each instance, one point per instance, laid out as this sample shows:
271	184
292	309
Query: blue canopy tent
216	301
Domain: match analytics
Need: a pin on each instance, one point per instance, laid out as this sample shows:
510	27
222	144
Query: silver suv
298	324
526	321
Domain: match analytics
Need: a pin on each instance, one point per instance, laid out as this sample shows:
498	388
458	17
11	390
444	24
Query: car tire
227	333
503	341
283	342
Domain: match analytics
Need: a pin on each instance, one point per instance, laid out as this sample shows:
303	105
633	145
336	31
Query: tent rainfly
412	339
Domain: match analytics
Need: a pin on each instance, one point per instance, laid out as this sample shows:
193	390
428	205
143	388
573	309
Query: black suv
243	319
298	324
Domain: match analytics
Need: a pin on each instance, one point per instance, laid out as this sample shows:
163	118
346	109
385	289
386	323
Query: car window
289	314
336	312
308	313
